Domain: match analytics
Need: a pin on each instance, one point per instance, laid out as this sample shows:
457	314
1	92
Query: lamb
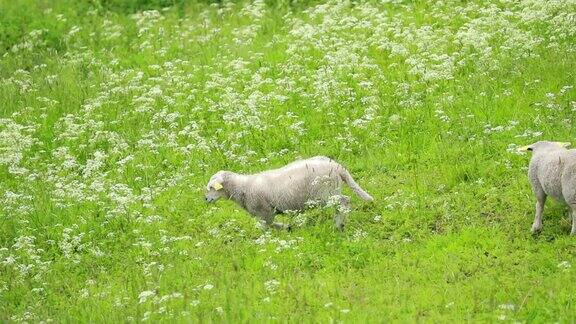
552	172
293	187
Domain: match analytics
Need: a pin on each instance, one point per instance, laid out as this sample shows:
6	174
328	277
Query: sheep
552	172
293	187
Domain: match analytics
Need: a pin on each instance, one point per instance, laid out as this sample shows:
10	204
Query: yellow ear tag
218	185
523	148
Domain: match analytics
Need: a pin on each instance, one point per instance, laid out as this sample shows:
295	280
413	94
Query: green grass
112	120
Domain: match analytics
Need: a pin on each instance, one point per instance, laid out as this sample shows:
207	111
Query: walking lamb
552	172
291	188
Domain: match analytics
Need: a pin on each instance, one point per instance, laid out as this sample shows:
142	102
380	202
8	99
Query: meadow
114	115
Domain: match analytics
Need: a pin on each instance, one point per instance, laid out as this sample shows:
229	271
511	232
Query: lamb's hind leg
343	209
540	201
573	214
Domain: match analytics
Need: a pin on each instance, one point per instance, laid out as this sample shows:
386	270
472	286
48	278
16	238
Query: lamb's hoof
289	228
340	228
536	229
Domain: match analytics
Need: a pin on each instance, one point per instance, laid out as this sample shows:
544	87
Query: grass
113	116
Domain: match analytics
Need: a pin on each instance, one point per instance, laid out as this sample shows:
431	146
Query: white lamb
293	187
552	172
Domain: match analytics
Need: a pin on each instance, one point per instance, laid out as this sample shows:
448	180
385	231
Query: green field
114	115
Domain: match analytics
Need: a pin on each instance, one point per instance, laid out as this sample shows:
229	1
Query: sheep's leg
281	226
264	212
263	225
573	213
267	220
540	201
343	209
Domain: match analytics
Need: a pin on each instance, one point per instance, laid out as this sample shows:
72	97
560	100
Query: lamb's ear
526	148
564	144
220	180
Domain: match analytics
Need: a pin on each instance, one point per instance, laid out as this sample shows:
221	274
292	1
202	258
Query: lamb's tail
354	186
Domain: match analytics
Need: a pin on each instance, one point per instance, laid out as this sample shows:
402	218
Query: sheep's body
293	187
552	172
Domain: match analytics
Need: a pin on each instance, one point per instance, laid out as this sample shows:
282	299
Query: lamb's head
216	187
543	146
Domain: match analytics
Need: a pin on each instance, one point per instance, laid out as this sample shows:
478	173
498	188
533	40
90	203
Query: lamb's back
292	186
301	170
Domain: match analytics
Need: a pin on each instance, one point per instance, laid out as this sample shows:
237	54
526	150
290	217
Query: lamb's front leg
282	226
268	221
266	213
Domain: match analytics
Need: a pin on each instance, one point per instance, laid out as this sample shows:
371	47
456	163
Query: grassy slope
453	209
